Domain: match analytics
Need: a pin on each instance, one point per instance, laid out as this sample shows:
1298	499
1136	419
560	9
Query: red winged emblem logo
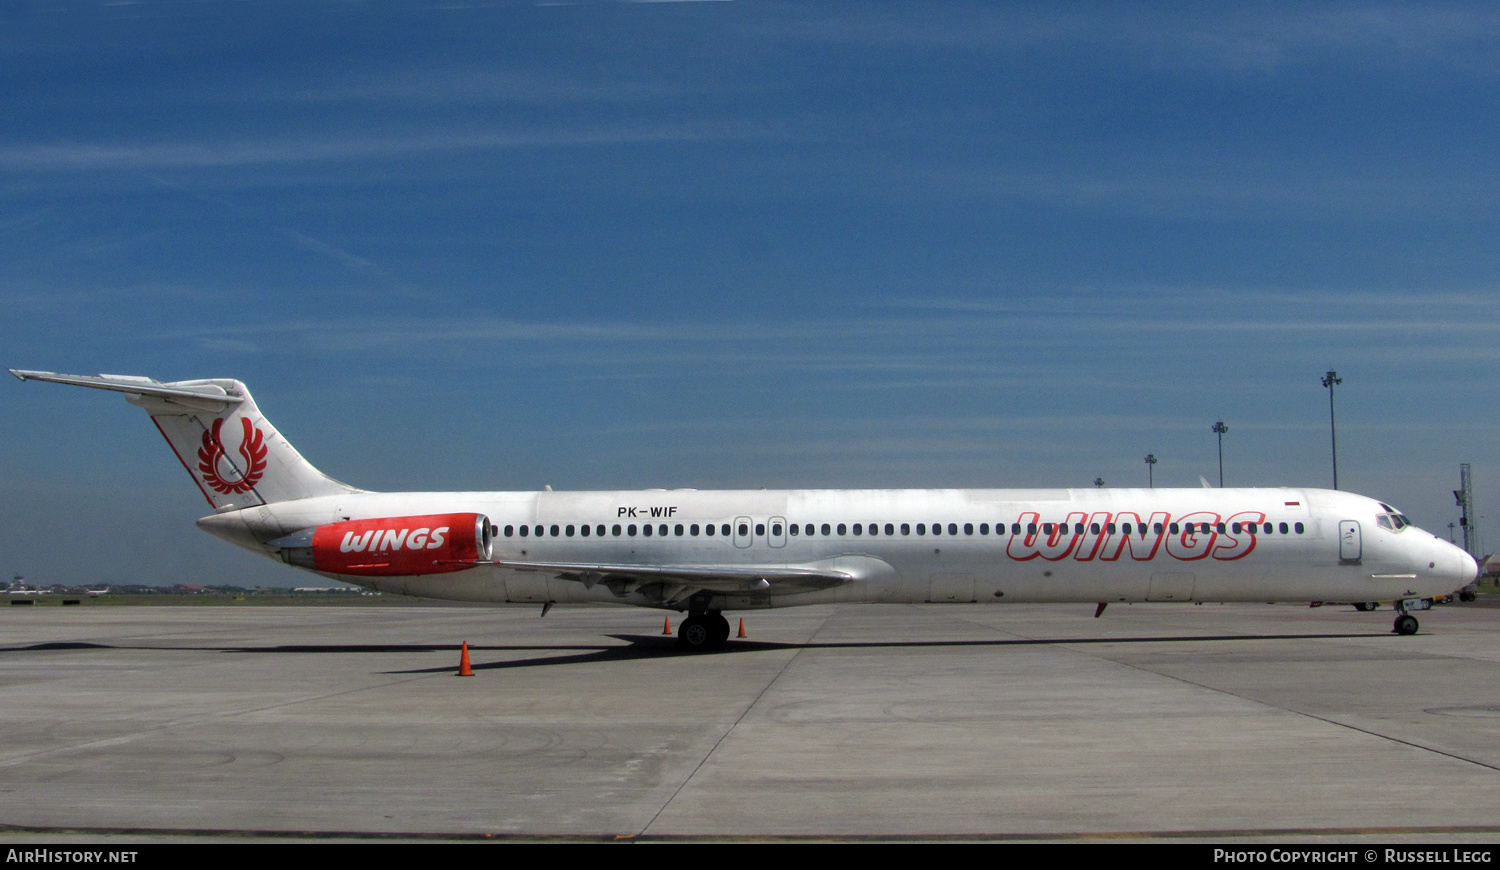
221	474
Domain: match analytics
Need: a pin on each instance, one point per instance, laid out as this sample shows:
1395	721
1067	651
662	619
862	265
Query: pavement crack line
730	730
1094	655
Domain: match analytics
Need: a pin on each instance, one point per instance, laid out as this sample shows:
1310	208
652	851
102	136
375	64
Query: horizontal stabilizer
205	397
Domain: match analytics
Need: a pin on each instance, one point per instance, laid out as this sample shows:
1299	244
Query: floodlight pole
1150	477
1333	433
1219	429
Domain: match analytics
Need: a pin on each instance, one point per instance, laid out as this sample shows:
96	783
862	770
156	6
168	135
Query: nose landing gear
1405	624
703	631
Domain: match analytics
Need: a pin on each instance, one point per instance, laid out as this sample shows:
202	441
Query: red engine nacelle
396	546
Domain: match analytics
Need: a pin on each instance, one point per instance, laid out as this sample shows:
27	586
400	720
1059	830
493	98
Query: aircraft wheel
721	629
698	633
1363	606
1467	596
1406	624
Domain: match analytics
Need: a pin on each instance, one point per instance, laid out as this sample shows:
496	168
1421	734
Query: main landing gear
703	631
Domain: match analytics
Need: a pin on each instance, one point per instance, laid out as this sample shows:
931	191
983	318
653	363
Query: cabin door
1349	542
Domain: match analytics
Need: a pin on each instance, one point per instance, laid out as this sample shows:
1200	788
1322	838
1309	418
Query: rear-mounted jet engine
391	546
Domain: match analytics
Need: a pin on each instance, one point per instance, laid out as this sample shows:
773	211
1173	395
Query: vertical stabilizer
234	454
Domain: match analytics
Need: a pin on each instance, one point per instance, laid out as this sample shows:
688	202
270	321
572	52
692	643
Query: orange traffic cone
666	625
463	662
742	626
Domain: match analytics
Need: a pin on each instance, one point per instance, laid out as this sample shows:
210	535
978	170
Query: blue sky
743	244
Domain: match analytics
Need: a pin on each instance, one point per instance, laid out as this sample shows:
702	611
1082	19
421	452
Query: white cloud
313	148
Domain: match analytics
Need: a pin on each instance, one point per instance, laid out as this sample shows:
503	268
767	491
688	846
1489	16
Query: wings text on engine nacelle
393	546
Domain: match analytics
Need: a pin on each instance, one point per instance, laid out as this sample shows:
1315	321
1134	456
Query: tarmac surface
1008	722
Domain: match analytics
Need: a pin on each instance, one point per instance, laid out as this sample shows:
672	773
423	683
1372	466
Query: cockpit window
1392	519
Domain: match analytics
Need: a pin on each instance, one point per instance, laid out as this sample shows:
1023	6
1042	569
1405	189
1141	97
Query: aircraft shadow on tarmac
654	646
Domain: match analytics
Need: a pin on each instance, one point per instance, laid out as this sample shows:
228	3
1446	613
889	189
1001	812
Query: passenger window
677	530
1078	528
937	528
1174	528
921	528
760	530
827	529
968	528
953	528
1156	527
1031	528
794	529
808	529
585	530
724	529
1235	526
525	530
693	530
890	529
857	528
1298	527
615	530
906	528
1047	529
843	530
1221	528
776	530
510	531
744	529
646	530
1094	528
984	528
568	531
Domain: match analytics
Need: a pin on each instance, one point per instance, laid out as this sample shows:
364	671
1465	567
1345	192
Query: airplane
707	552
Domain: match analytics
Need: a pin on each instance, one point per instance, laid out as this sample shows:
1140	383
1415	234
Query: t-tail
234	454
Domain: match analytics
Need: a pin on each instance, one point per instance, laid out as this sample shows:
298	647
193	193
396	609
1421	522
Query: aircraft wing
686	579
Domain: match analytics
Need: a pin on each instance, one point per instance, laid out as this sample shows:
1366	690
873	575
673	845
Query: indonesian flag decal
221	474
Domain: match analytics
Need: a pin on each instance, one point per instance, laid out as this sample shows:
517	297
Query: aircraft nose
1468	568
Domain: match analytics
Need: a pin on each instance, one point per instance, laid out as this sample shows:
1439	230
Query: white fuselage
712	551
990	546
